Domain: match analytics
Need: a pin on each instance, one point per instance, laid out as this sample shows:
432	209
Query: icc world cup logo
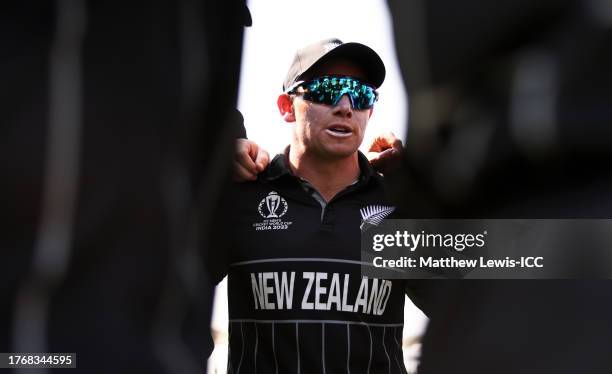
272	206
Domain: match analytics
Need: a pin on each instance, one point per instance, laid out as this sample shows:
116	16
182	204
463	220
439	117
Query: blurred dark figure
510	107
107	108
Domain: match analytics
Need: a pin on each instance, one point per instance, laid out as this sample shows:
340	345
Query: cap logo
331	45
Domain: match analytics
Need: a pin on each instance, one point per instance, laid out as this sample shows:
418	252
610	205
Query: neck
328	175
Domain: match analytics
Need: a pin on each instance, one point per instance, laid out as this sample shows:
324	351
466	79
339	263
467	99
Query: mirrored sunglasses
330	89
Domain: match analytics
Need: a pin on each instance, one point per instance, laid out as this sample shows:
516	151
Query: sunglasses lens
329	91
364	97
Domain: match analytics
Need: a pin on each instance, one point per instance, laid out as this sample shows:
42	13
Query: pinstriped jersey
297	300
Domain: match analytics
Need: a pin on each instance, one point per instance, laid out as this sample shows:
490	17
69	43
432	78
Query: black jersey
297	300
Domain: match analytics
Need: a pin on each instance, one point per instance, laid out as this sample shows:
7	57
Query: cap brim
357	53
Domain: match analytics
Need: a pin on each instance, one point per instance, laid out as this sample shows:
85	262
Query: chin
341	152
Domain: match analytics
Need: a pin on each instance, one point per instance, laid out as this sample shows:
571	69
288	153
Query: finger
386	154
385	141
389	140
242	174
262	160
397	145
244	155
372	156
385	161
376	157
246	146
252	148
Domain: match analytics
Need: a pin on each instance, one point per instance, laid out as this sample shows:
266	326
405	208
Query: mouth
340	131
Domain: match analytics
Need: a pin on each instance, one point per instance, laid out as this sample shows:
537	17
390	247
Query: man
110	115
297	301
521	130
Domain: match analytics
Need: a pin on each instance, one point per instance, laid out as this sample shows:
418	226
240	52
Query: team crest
372	215
272	208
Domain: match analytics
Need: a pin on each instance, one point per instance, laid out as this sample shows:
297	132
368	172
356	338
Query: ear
370	114
285	107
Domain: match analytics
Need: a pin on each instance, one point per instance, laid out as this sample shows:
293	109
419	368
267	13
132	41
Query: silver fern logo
372	215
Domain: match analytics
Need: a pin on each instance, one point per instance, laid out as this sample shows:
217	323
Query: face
326	131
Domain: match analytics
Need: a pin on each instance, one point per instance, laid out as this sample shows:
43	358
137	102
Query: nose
344	107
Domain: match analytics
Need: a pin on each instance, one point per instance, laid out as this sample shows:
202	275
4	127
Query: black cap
313	55
246	15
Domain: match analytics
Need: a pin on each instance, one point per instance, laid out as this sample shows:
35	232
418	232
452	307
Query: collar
279	168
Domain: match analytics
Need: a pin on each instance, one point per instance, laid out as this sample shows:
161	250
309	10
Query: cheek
312	117
363	122
304	124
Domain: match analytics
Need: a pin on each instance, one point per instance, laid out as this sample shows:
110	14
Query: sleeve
240	129
221	234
